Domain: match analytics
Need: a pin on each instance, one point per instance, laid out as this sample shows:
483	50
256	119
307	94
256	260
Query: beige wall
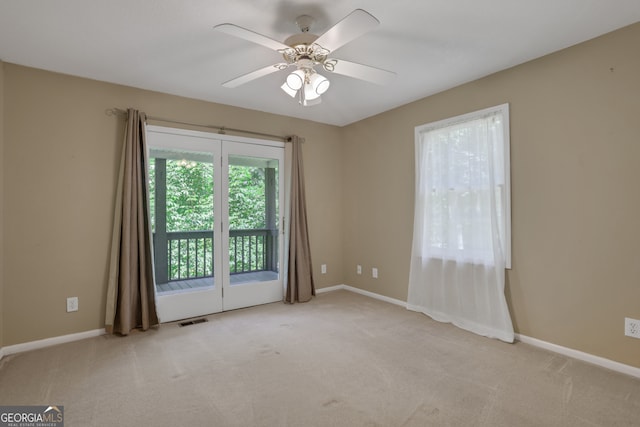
61	154
575	126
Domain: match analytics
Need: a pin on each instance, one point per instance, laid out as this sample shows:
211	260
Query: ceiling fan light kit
296	80
319	83
307	84
305	51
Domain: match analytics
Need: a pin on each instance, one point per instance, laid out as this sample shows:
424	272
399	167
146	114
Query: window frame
475	115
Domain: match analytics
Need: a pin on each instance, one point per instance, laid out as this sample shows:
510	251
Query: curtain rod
221	129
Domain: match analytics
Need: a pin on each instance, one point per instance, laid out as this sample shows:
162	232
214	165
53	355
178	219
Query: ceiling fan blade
363	72
251	36
246	78
349	28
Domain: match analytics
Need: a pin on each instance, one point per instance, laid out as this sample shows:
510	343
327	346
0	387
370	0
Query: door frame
206	301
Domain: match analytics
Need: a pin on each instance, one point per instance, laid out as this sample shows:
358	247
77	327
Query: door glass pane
181	202
253	219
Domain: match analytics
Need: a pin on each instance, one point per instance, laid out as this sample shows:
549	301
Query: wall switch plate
72	304
632	327
323	268
374	272
358	269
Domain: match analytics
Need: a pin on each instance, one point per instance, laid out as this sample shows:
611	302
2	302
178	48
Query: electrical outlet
72	304
632	327
323	268
374	273
358	269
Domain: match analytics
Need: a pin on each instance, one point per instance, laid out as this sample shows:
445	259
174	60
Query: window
462	187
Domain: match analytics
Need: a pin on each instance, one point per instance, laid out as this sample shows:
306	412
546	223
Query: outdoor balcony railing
189	254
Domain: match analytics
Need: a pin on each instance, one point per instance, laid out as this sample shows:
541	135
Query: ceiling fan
305	51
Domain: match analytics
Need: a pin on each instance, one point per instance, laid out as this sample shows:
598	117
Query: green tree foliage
246	197
190	196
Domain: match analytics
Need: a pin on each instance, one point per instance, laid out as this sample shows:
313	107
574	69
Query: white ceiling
170	46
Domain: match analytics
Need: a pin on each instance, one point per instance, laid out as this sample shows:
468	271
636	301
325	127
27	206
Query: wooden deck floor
195	284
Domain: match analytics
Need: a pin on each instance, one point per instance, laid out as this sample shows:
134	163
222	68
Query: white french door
217	207
254	254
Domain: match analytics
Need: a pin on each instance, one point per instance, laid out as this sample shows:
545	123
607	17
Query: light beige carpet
341	360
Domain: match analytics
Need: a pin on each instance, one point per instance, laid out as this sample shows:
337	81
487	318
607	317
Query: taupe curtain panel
130	293
300	286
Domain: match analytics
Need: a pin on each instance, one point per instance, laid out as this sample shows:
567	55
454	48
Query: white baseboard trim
48	342
585	357
330	289
362	292
575	354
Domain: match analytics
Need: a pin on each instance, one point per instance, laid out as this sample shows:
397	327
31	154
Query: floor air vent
192	322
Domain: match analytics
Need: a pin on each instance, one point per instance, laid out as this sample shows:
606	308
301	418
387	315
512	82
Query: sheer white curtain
460	236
